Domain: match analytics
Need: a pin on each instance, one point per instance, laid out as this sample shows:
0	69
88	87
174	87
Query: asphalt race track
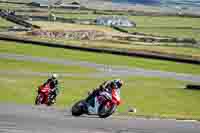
41	119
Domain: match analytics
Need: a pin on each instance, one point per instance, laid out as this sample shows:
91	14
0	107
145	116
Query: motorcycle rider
106	86
53	82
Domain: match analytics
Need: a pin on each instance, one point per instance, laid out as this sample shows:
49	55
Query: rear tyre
49	103
78	108
104	112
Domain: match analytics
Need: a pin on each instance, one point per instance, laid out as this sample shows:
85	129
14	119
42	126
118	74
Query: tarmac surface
41	119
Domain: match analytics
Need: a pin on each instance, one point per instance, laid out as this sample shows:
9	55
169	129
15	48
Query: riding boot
54	98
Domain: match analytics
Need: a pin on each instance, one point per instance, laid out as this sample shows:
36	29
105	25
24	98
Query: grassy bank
163	48
19	48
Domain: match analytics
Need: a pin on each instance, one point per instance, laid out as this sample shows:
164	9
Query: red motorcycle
103	105
44	95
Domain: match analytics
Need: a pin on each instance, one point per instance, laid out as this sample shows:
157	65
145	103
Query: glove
52	90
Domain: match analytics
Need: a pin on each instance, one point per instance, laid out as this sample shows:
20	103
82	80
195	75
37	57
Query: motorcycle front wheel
39	99
50	100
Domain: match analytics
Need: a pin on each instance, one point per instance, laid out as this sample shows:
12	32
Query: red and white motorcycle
103	105
44	96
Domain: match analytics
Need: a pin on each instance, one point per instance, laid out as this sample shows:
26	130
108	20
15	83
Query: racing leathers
108	86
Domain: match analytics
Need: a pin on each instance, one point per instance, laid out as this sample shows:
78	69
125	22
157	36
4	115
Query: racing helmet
54	76
118	83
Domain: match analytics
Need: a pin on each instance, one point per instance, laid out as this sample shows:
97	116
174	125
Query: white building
115	21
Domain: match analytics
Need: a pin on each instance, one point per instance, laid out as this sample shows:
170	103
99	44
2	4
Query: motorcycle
44	96
102	105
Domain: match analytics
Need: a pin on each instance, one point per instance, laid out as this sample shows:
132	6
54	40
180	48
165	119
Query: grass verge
13	65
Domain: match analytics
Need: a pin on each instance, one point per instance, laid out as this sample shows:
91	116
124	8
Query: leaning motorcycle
44	96
103	105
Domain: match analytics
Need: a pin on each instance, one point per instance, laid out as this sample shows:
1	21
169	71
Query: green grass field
78	16
173	26
5	24
169	31
19	48
9	6
167	26
162	26
166	21
184	27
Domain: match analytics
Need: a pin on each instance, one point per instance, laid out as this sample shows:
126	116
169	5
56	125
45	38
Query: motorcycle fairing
115	98
94	110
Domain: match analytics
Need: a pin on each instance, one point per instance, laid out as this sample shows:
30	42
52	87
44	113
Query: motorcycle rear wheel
104	113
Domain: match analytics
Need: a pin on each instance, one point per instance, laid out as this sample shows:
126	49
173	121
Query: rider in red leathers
53	82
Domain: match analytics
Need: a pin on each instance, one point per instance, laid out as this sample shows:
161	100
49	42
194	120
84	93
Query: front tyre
50	100
39	99
104	111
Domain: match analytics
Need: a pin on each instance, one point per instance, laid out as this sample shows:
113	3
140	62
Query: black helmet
118	83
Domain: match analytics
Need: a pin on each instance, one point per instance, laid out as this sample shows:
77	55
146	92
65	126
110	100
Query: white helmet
54	75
